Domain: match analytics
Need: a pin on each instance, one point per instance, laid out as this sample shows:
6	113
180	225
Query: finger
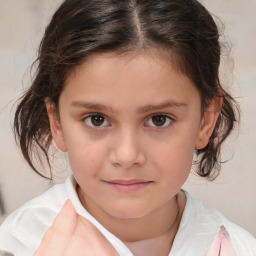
59	234
88	239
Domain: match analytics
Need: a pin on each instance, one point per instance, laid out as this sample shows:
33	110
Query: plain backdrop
22	23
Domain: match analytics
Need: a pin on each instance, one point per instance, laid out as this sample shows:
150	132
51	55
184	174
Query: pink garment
221	246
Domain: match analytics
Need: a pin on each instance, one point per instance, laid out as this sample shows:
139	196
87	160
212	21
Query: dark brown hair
81	28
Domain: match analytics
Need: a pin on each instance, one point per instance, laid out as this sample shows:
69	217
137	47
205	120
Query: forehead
148	58
139	79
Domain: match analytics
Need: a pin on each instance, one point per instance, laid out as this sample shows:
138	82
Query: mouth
128	185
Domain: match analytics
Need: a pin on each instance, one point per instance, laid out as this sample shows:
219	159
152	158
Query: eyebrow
91	105
147	108
166	104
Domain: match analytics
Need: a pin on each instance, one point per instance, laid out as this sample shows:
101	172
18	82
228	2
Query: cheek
174	158
174	169
86	157
86	164
177	162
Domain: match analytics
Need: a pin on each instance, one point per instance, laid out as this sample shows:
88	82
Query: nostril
127	159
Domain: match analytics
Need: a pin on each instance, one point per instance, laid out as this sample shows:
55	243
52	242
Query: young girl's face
130	125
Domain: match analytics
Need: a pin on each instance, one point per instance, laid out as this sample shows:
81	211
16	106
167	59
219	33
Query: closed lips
128	185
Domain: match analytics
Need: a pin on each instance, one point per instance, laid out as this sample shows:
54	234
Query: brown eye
96	121
160	121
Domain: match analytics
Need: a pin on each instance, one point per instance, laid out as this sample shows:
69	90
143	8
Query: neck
161	244
145	234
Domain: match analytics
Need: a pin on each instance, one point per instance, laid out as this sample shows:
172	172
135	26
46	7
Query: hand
71	234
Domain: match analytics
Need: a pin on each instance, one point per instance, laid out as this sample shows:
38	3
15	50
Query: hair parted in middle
184	30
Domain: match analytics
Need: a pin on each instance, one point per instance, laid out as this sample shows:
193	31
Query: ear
55	126
208	122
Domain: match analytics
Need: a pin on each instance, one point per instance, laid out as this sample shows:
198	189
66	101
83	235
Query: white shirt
22	231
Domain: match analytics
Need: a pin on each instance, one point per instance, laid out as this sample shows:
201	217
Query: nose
127	150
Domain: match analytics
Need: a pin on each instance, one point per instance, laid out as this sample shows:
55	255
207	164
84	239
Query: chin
127	212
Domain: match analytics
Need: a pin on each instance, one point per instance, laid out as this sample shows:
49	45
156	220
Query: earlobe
55	126
208	122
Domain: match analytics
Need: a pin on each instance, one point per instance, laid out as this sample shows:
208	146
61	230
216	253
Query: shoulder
208	220
23	230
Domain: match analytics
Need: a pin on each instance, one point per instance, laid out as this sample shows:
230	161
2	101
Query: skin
130	145
66	237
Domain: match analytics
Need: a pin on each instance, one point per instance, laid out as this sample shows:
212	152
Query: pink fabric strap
221	246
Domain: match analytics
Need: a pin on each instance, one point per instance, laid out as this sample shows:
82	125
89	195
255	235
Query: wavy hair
80	28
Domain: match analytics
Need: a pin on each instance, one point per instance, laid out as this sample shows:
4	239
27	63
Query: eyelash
94	115
167	118
160	128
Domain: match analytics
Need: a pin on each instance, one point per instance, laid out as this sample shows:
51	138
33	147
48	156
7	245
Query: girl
130	90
